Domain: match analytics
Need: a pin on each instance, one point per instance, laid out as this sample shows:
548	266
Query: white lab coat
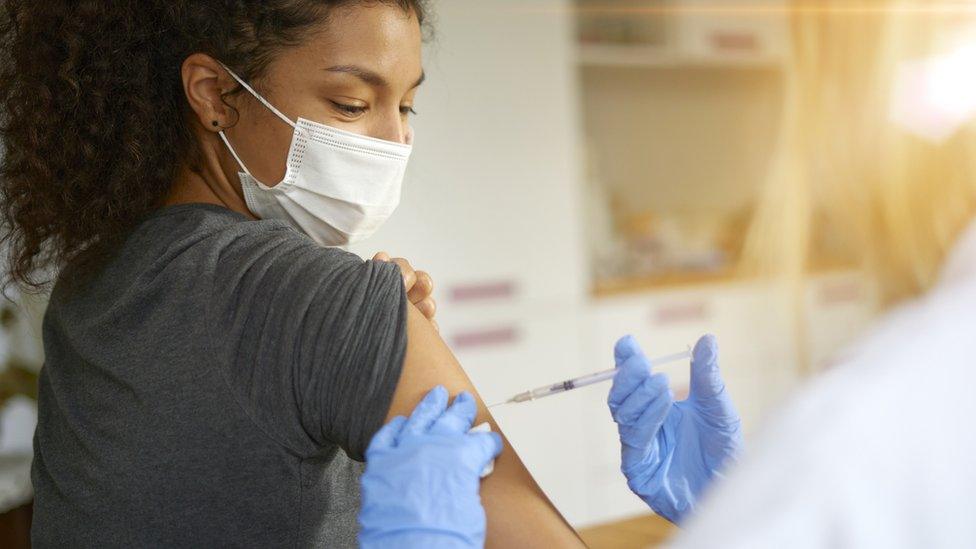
878	452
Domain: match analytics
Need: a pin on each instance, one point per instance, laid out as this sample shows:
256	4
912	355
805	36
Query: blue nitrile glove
422	480
671	451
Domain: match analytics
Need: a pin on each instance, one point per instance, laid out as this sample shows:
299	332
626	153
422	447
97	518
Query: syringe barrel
550	390
590	379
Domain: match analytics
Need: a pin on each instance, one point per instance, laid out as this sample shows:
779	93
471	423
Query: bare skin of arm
519	513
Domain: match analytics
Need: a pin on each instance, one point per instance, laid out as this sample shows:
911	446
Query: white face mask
339	187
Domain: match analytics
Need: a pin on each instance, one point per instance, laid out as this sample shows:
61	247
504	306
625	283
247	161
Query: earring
215	123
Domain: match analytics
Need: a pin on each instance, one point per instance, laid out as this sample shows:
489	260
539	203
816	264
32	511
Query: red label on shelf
503	289
738	42
507	335
680	312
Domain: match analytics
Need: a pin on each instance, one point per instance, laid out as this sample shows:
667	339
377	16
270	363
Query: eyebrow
371	77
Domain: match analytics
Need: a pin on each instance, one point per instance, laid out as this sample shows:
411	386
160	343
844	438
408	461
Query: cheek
263	141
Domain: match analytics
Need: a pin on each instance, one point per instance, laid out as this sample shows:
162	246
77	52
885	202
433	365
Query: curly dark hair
93	118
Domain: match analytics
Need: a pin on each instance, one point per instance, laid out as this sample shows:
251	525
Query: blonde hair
898	201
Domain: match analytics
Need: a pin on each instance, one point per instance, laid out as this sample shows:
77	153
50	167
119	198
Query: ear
204	80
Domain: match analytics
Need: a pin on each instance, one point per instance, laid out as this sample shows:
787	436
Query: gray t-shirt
206	388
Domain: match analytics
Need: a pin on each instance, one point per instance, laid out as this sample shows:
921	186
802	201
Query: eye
348	110
407	110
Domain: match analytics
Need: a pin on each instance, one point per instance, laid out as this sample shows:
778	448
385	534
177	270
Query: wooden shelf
639	532
675	279
649	56
682	279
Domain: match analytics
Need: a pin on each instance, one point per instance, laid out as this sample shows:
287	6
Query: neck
208	184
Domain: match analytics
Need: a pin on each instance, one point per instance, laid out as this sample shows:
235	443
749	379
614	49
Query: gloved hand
422	480
671	451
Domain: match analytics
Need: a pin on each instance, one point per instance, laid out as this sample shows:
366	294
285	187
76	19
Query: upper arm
310	340
519	514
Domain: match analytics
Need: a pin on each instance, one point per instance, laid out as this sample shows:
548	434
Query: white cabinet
506	350
675	33
732	32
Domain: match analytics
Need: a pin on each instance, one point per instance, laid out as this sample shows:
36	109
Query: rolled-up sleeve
311	340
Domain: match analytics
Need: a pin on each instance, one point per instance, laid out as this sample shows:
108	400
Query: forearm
519	513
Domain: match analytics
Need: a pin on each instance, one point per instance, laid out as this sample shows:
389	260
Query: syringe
591	379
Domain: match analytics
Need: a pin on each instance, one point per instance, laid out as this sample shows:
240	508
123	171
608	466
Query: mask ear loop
234	153
257	96
264	102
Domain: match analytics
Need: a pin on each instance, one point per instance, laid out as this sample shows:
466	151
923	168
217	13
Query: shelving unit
672	33
684	83
650	57
681	114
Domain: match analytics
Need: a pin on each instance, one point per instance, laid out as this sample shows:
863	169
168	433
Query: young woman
215	368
